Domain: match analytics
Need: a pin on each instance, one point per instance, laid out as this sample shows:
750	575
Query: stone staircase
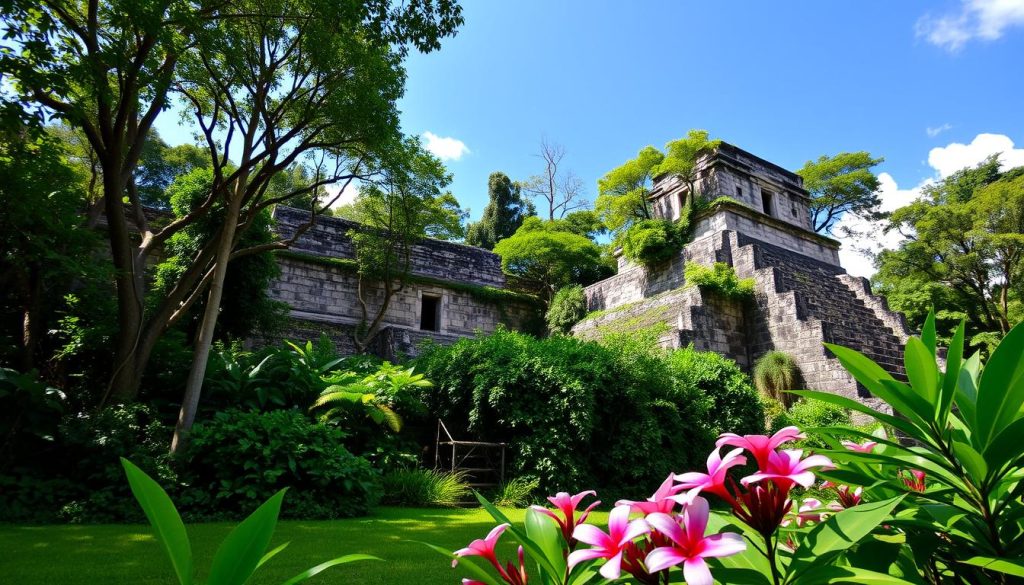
803	303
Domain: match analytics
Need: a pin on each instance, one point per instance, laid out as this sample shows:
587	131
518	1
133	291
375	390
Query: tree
966	234
505	212
681	158
841	184
43	245
304	81
286	81
398	210
623	191
562	191
545	257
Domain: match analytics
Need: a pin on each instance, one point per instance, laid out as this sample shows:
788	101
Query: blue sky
788	81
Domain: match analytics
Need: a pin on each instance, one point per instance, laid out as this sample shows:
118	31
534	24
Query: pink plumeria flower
483	548
786	468
714	480
847	498
915	481
621	531
689	545
659	502
865	447
761	446
567	504
808	512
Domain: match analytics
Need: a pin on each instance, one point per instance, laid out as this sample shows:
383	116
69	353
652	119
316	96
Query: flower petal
612	568
592	535
635	529
668	526
695	518
696	572
578	556
663	557
723	545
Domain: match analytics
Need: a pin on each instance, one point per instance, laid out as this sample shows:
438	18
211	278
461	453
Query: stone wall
319	283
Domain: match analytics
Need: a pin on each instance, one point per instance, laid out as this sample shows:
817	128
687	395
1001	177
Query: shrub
809	414
95	442
516	492
238	459
425	487
720	279
733	404
774	373
568	307
652	241
573	412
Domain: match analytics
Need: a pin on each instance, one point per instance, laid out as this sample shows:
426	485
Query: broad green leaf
972	461
548	537
240	553
468	564
928	336
1008	446
1013	567
966	398
949	380
327	565
164	518
922	370
879	382
1001	391
840	532
736	575
748	560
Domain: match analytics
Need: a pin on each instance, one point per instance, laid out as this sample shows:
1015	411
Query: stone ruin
454	291
760	225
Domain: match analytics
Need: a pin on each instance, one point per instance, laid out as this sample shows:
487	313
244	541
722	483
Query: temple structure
760	225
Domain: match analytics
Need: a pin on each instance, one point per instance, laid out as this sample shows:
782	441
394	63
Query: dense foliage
964	258
568	307
576	412
841	184
720	279
238	459
425	487
653	241
506	210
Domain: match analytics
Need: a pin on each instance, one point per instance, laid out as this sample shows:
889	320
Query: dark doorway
430	313
766	202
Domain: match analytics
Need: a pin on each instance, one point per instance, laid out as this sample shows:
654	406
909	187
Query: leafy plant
960	459
241	553
774	373
568	307
516	492
652	241
425	487
30	411
720	279
238	459
373	395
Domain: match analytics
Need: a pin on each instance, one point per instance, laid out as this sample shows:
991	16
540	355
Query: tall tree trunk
129	279
201	352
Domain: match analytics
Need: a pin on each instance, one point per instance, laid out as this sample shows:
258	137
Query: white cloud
445	147
977	19
933	132
949	159
862	238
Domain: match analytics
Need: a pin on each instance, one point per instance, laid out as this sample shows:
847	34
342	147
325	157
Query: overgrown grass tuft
425	487
517	492
774	373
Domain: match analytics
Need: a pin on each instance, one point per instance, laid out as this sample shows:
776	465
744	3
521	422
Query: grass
113	554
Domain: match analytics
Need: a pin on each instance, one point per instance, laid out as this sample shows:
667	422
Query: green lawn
109	554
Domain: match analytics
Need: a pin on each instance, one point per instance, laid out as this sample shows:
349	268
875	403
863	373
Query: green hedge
578	414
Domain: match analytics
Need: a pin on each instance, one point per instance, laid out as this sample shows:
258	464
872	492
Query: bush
425	487
721	280
568	307
774	373
733	404
95	442
574	413
652	241
239	459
